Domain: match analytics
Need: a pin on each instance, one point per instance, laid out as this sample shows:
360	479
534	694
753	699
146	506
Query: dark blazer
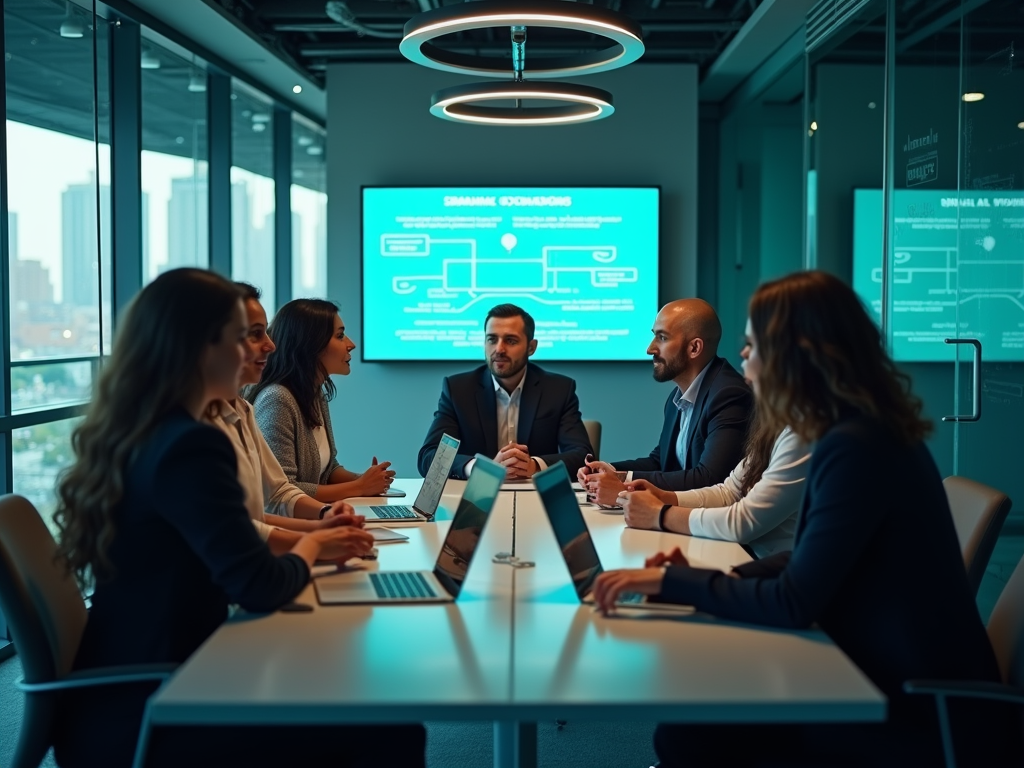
549	419
876	563
183	550
717	432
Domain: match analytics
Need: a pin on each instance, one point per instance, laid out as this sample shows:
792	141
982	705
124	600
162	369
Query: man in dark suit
513	410
706	416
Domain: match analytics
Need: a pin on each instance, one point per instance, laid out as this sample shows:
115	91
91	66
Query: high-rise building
188	240
12	234
79	256
30	284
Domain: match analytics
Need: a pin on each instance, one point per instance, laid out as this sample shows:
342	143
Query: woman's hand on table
645	581
341	514
377	479
666	497
342	542
641	509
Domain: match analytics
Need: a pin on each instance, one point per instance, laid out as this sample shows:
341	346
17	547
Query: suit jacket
716	435
549	419
876	563
183	550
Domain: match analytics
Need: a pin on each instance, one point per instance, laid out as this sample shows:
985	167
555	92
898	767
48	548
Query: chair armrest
971	689
88	678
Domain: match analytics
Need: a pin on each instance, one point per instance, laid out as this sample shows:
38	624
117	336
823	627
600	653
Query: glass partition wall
915	193
87	220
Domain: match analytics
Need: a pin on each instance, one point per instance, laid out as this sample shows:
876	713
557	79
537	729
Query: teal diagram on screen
582	261
957	270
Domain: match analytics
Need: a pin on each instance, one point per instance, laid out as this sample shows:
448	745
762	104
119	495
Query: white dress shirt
685	402
507	414
259	473
765	519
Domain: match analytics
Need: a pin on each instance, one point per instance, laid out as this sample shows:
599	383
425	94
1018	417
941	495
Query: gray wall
380	133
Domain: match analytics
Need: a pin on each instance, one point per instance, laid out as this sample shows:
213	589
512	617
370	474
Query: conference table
516	648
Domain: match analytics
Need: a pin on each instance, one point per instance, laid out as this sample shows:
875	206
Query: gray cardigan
292	442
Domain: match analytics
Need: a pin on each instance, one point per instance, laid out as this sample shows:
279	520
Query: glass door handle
976	381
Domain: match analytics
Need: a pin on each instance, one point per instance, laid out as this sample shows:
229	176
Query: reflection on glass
175	200
58	182
40	453
252	190
309	209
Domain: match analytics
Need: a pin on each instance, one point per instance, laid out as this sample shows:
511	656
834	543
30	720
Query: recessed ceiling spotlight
305	141
314	149
1021	125
871	105
148	60
974	96
814	125
197	82
260	117
71	27
296	89
259	127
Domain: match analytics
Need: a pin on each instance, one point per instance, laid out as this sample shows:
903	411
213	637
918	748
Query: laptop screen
570	528
467	527
433	484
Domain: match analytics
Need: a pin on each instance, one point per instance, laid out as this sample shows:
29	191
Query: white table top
516	646
570	661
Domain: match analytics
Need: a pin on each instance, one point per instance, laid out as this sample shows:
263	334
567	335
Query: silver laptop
425	506
443	584
573	536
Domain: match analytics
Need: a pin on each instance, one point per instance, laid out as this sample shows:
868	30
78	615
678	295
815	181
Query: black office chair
1006	633
47	617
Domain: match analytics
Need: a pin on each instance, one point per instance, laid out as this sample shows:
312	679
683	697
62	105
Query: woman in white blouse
280	511
758	503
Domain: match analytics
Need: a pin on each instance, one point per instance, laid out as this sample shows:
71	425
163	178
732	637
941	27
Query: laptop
443	584
576	544
425	506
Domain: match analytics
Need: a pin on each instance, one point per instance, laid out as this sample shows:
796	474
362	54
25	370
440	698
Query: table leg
515	744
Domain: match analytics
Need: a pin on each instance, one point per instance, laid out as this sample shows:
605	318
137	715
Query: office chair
47	617
1006	633
978	514
594	434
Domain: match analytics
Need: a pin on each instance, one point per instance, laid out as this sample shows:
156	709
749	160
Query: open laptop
443	584
573	536
425	506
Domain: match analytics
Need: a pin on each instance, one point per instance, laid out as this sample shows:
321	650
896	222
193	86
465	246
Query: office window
252	190
309	209
40	454
175	201
58	191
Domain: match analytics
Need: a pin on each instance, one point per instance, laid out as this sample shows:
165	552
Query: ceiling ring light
626	36
581	103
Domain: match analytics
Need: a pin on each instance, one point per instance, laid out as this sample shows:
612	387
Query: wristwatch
324	510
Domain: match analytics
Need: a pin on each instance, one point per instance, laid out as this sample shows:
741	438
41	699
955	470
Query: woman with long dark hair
758	503
151	513
876	562
291	402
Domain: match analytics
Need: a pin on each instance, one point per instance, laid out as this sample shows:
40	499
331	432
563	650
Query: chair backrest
40	600
1006	628
978	514
594	433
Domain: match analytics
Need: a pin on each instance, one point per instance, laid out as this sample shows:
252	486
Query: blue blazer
549	419
716	436
184	549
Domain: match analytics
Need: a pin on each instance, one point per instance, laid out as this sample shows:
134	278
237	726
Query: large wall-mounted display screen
583	261
958	262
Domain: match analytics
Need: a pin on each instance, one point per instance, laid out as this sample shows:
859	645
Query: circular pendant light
578	103
624	34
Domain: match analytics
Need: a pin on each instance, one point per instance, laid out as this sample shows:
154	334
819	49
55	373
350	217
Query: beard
666	370
513	368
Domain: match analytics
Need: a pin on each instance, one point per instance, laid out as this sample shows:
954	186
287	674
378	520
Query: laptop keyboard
401	585
630	597
394	511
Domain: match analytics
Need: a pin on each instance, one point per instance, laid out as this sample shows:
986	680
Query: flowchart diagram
554	276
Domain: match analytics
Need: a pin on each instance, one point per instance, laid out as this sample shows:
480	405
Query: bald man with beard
706	415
